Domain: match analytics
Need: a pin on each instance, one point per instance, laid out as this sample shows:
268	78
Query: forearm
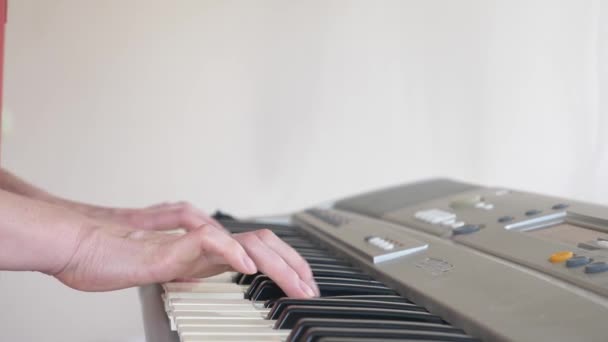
36	236
11	183
161	216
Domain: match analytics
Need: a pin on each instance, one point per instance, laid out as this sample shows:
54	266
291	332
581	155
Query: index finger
277	267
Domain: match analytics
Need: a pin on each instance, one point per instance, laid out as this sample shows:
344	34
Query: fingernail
315	288
307	289
250	265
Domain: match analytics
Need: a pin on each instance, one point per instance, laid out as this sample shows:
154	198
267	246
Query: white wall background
263	107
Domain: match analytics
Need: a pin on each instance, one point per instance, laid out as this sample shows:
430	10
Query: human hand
111	258
280	262
159	217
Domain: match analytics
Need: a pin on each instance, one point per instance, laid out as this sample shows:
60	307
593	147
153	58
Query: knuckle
281	267
206	230
264	234
232	249
301	265
307	273
185	211
248	238
234	246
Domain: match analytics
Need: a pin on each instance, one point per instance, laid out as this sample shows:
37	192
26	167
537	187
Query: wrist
36	236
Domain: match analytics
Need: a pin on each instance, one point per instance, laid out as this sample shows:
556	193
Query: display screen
568	233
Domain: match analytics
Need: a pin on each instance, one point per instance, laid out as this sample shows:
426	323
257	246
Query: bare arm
159	216
11	183
92	255
26	243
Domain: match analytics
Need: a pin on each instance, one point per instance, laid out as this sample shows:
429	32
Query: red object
3	15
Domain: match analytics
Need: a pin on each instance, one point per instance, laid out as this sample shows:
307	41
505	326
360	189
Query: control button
381	243
505	219
466	202
578	261
602	243
533	212
459	224
596	267
561	256
466	229
560	206
434	216
389	246
484	205
594	244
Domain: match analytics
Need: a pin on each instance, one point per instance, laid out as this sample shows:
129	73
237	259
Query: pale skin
93	248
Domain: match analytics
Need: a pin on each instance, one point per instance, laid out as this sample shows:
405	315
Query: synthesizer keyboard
437	260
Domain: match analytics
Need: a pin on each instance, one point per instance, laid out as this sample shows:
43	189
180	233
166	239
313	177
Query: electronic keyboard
436	260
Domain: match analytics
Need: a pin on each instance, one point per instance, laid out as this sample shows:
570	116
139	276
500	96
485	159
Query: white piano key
228	323
244	332
215	310
232	339
223	322
203	287
195	303
225	312
200	295
233	330
226	277
212	314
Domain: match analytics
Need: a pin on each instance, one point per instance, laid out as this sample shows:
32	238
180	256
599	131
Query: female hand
158	217
112	258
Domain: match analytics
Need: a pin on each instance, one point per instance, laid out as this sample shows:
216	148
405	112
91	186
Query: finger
169	217
291	257
273	265
158	205
180	213
211	271
198	212
217	243
201	252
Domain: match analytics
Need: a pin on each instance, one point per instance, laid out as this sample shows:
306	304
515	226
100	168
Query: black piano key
260	281
314	252
318	270
290	317
281	231
326	261
369	339
299	243
246	279
385	298
333	289
304	324
299	239
255	283
316	333
340	266
283	303
340	273
221	216
255	225
339	280
269	290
